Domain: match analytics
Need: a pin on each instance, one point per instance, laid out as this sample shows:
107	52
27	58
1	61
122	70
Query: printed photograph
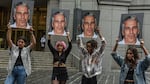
131	29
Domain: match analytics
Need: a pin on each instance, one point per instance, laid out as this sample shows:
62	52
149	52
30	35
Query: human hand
67	33
31	30
79	27
117	40
97	29
142	42
8	25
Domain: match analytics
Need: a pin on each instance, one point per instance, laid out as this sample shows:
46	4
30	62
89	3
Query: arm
99	53
146	62
68	37
50	45
80	43
9	32
70	44
103	42
116	46
82	50
119	59
33	40
144	48
69	41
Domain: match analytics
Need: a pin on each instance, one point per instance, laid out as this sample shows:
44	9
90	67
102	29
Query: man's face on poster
21	16
88	26
59	23
130	31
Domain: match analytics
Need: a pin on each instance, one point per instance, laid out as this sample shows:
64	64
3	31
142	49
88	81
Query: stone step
75	79
38	59
37	76
44	77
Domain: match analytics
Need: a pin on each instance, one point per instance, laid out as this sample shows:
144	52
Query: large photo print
59	22
131	29
21	14
89	23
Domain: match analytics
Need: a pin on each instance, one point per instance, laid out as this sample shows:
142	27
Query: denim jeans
18	74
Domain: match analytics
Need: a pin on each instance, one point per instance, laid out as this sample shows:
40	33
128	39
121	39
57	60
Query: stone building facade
110	14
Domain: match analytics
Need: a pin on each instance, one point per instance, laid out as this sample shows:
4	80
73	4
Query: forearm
69	39
115	47
143	47
50	45
70	45
101	49
145	50
100	35
33	40
9	33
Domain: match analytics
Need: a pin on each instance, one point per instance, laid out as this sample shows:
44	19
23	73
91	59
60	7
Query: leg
84	80
55	81
94	80
21	75
10	79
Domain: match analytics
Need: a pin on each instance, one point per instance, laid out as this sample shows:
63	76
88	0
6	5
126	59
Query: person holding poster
21	14
91	59
60	53
130	31
132	68
19	66
59	23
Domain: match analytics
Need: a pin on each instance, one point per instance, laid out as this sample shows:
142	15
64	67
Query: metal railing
75	61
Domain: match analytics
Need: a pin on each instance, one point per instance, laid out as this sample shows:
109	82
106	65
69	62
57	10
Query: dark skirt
60	73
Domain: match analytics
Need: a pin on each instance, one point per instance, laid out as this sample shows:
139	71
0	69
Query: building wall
110	14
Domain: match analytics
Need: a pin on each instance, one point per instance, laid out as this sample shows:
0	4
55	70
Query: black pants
92	80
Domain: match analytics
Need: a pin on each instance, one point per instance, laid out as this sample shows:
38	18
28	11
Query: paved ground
44	77
37	76
43	62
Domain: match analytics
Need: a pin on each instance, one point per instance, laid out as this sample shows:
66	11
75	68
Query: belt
129	82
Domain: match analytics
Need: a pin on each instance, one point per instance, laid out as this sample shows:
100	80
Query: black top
62	58
19	60
130	74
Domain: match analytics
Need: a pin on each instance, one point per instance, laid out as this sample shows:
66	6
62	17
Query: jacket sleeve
68	49
81	47
119	59
52	49
100	50
146	62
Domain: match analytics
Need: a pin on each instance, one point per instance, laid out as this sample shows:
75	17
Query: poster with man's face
21	14
59	22
89	20
131	29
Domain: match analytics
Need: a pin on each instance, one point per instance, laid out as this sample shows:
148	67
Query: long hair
134	50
